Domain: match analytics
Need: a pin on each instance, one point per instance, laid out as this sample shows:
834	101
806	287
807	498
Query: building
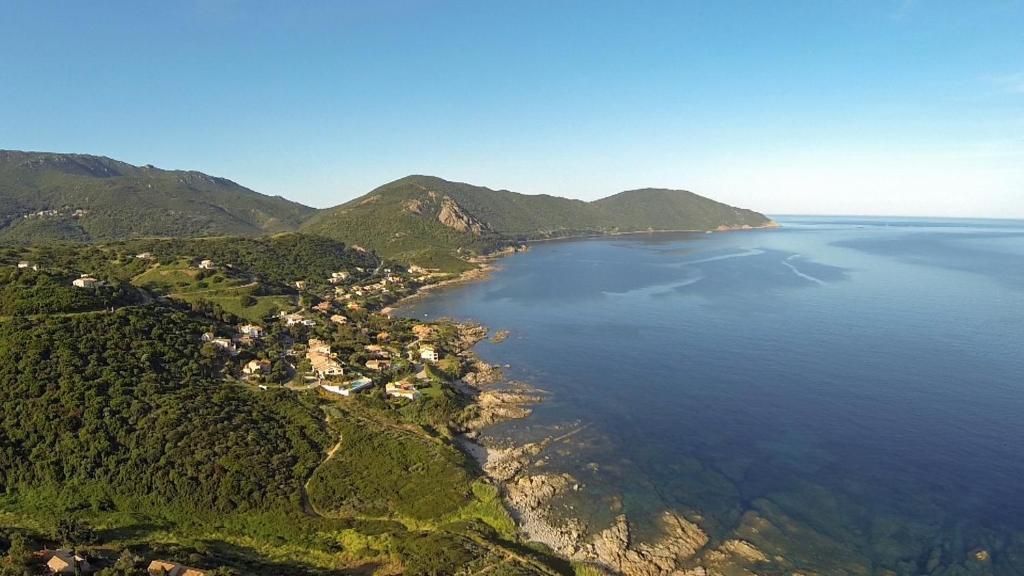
322	361
144	255
225	344
300	284
27	264
402	389
251	330
254	367
339	319
428	353
206	265
422	331
67	562
337	277
165	568
323	306
349	387
378	365
296	318
85	281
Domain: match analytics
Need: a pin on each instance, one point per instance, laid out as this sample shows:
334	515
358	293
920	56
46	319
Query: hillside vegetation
78	197
434	223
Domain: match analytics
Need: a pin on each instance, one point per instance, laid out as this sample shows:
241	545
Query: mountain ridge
427	220
417	219
88	198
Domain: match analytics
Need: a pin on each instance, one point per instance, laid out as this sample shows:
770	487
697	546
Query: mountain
429	221
79	197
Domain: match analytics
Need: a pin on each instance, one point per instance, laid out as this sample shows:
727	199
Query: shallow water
859	383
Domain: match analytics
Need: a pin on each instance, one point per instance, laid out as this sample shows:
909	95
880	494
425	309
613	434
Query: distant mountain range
78	197
417	219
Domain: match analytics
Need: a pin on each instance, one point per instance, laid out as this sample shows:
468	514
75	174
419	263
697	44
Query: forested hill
426	220
78	197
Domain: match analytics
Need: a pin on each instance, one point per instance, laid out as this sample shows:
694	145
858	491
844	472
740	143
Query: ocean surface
846	393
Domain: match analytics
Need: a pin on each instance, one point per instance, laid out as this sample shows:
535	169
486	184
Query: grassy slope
125	201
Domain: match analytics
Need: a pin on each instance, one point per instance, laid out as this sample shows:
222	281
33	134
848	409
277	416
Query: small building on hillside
300	284
422	331
324	306
349	387
322	360
378	365
27	264
207	265
339	319
251	330
254	367
67	562
163	567
402	389
85	281
429	353
225	344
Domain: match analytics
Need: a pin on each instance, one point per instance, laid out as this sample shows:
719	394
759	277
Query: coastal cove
813	398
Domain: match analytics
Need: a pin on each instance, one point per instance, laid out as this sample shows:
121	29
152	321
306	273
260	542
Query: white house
256	367
225	344
402	390
207	265
85	281
428	353
251	330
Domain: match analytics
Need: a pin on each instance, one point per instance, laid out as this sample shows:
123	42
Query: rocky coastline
528	489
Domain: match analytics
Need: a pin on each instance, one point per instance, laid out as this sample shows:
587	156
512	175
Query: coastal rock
499	405
614	548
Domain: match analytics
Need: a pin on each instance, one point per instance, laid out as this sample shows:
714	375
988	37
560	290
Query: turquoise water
858	384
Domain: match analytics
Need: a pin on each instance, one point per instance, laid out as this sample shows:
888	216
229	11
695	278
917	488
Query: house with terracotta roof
67	562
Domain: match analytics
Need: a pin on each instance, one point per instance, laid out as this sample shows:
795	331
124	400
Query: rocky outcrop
453	216
613	547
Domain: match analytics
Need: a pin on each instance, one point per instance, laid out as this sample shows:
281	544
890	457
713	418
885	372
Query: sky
899	107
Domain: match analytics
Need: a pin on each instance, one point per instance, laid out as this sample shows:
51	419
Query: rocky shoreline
681	550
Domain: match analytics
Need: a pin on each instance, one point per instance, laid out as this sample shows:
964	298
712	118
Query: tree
15	563
71	532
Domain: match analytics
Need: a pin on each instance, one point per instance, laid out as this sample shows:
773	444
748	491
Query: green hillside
433	222
77	197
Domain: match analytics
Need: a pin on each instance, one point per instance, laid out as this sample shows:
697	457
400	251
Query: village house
296	318
251	330
339	319
402	389
353	306
377	350
85	281
349	387
324	306
207	265
254	367
337	277
322	360
300	284
428	353
144	255
67	562
378	365
163	567
225	344
27	264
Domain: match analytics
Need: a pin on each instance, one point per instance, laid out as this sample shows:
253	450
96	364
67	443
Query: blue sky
886	107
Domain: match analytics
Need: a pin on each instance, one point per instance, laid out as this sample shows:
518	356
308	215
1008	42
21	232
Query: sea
847	394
